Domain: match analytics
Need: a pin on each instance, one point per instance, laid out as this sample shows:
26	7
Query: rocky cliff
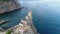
8	6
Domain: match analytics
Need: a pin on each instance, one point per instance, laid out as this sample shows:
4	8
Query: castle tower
24	22
30	14
26	17
21	26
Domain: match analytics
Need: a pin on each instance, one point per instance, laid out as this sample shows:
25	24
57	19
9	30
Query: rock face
8	6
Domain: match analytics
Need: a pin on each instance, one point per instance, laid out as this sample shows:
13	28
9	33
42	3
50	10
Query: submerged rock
8	6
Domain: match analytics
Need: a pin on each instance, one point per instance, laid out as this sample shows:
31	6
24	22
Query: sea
45	14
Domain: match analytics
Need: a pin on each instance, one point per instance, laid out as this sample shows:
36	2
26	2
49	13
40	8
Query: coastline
25	26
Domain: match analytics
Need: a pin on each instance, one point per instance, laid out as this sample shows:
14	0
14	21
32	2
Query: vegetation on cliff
9	32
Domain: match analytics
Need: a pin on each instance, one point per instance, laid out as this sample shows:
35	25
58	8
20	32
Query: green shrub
9	32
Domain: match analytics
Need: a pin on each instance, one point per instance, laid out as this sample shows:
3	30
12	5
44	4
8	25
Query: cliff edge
8	6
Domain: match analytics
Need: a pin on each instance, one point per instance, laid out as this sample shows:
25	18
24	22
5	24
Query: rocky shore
8	6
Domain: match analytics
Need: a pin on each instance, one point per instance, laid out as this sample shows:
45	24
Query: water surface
46	16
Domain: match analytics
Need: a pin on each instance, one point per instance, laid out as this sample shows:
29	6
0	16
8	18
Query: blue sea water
46	16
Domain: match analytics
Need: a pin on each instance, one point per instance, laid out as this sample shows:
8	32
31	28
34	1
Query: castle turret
30	14
26	17
21	26
24	22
